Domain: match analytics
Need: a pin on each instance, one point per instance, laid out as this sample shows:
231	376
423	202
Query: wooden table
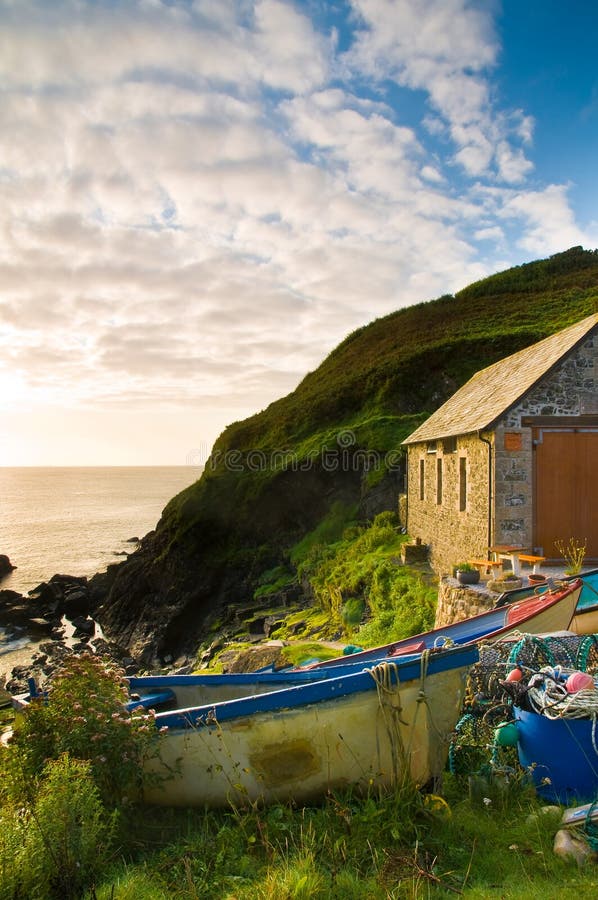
510	552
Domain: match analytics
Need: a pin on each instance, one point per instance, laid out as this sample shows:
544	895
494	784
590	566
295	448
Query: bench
486	566
534	561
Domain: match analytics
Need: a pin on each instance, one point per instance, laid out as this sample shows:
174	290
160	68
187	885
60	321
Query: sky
200	198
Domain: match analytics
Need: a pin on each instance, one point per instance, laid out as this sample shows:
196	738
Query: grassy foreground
72	826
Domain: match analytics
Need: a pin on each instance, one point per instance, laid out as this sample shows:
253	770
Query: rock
76	603
552	810
84	625
572	847
271	623
49	595
40	624
9	598
183	670
256	626
6	567
250	660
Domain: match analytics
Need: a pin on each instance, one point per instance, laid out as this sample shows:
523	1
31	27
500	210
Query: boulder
84	625
6	567
573	848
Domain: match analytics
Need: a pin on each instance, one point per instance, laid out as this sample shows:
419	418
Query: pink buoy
514	675
579	681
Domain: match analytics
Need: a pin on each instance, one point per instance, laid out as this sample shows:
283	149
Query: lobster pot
561	755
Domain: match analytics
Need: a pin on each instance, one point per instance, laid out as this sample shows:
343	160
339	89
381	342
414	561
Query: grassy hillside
386	377
277	476
409	362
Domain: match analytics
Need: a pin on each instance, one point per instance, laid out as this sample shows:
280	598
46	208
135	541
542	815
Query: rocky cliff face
194	567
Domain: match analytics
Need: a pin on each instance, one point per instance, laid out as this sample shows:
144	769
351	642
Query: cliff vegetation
283	486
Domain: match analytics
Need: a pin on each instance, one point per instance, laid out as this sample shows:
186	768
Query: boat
369	729
534	615
551	612
585	619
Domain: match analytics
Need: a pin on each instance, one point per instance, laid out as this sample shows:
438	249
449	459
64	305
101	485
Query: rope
550	699
389	702
388	686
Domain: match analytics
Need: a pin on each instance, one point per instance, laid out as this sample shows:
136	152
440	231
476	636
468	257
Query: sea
76	521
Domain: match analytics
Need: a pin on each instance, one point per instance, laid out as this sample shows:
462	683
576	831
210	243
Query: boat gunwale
297	696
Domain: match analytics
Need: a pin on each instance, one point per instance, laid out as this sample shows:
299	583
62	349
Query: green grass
397	846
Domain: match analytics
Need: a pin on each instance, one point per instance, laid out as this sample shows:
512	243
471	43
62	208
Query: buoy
506	734
579	681
514	675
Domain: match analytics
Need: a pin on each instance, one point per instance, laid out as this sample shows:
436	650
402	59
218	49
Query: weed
573	552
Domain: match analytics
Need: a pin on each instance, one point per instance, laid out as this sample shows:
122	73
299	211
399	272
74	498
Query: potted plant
466	573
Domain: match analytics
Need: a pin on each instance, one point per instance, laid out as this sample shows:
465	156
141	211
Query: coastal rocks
50	655
6	567
67	594
209	553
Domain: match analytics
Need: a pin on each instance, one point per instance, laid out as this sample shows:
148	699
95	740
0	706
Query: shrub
85	717
68	832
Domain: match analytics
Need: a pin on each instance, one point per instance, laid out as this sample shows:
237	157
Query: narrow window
449	445
439	480
462	483
422	479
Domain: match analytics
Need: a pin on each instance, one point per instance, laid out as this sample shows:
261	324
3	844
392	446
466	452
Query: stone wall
513	480
456	603
569	390
453	534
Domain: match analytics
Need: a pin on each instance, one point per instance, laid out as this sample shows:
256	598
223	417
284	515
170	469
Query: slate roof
492	391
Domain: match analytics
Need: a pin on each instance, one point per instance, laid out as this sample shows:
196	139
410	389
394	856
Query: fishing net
489	697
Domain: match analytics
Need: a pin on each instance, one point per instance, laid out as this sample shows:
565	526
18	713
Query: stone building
512	456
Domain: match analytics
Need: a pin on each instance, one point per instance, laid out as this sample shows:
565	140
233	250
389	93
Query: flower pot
468	577
536	579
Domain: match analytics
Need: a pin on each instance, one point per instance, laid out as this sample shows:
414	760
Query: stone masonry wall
458	603
571	389
453	535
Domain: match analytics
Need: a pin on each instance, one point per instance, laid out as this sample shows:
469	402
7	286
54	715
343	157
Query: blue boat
535	615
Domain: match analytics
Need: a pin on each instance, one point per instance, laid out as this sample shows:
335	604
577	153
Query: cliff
329	452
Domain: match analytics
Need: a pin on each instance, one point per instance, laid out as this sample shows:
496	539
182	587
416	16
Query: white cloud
547	220
199	200
446	48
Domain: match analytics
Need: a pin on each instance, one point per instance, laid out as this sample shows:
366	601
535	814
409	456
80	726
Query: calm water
78	520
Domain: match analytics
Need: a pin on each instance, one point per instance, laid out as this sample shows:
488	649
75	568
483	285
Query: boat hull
364	730
585	618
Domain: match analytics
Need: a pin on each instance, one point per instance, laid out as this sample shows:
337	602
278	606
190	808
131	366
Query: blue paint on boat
316	691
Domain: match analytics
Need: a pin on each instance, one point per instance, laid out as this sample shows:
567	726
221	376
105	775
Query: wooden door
566	489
